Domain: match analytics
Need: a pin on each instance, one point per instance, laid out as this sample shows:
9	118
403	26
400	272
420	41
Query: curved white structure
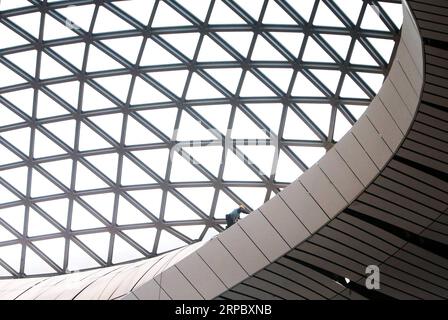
377	197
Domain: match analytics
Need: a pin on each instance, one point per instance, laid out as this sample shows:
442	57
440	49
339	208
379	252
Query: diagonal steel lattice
50	224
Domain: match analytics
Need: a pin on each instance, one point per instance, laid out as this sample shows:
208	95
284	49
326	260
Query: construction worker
234	216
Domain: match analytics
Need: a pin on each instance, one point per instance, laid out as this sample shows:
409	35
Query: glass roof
130	128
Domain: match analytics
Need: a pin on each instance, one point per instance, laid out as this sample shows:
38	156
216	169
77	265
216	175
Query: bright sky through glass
131	128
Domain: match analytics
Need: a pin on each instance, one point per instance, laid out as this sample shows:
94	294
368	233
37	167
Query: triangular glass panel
192	129
99	61
281	77
123	251
176	210
287	170
11	255
128	214
5	235
22	99
166	79
6	195
168	242
236	169
200	89
222	14
394	11
144	237
8	117
56	30
78	16
261	156
224	205
19	138
208	156
292	41
200	197
216	115
356	111
47	107
86	179
89	139
192	232
37	225
110	124
254	197
63	130
315	53
351	90
29	22
155	159
9	78
373	80
25	60
211	233
83	219
103	203
168	17
350	8
61	170
50	68
67	91
57	209
198	8
325	17
14	216
16	177
276	15
145	93
245	128
296	129
252	7
253	87
308	155
227	77
7	156
44	147
183	170
134	175
41	186
118	85
78	259
106	163
239	40
4	272
137	134
10	38
263	50
154	54
339	43
384	47
372	21
128	47
106	21
163	119
303	7
53	248
93	100
36	265
211	51
97	242
361	56
150	199
185	43
304	87
137	9
270	114
320	114
330	78
341	127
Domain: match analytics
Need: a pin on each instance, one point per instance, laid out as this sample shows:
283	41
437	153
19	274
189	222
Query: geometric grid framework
114	113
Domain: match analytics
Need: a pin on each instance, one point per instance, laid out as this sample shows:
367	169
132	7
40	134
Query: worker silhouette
234	216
